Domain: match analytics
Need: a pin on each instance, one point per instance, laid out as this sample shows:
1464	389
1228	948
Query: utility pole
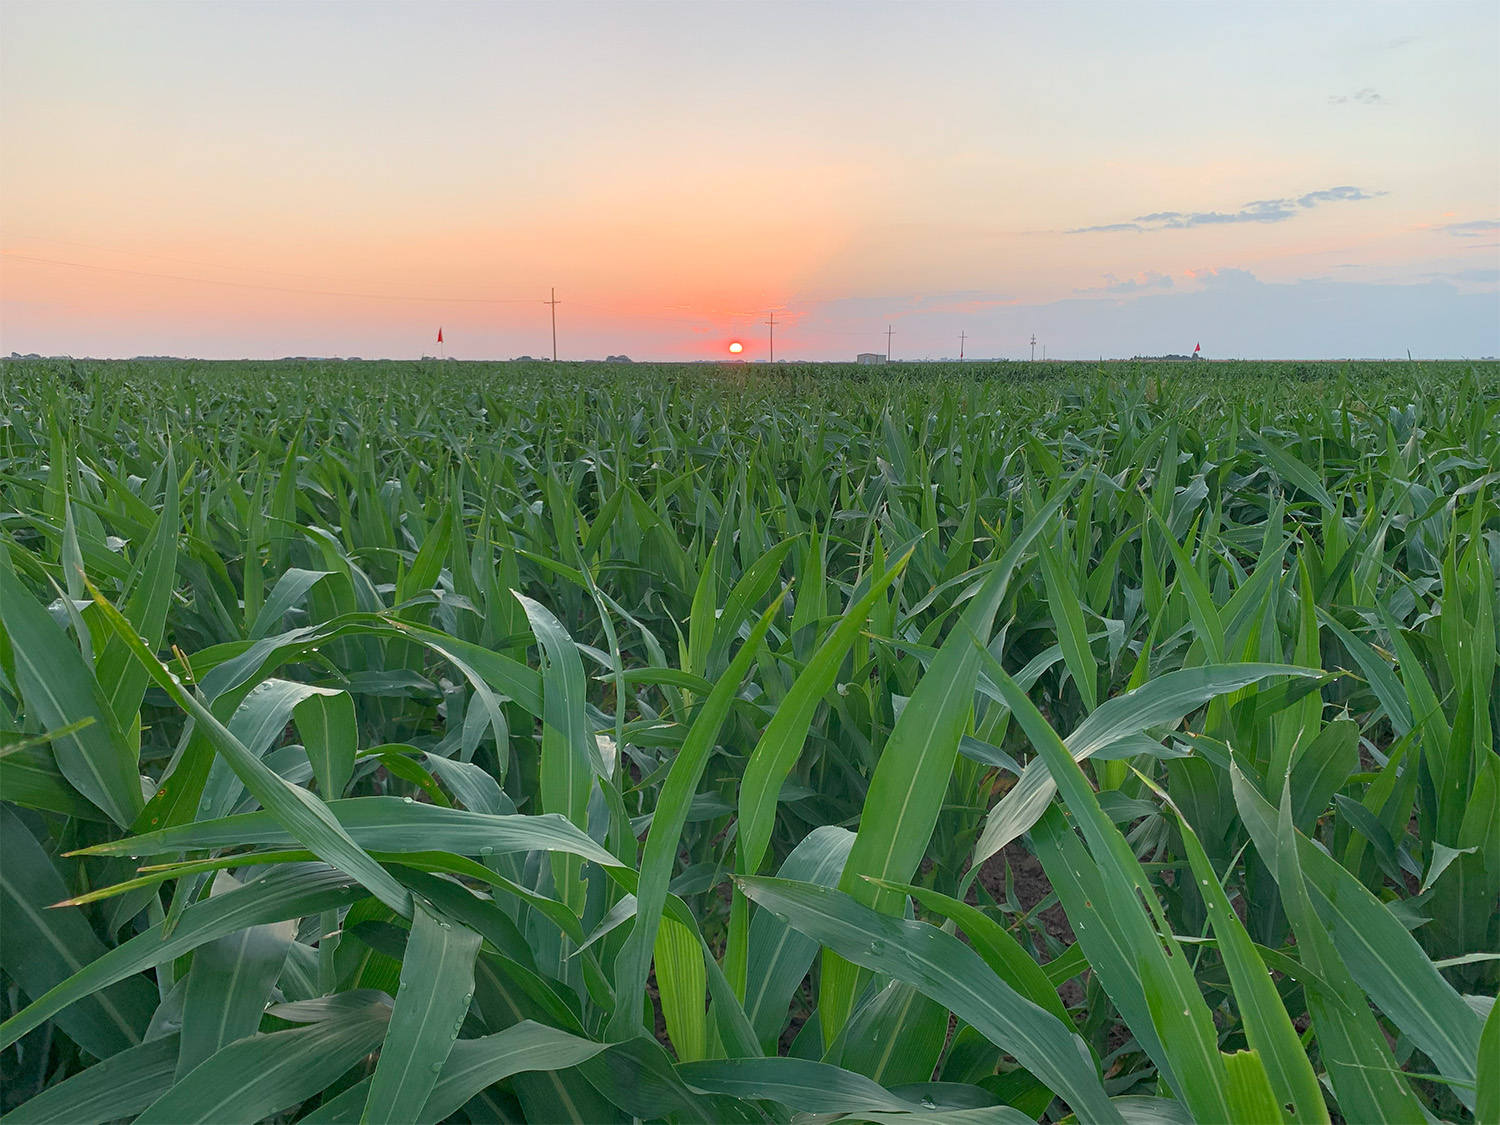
1033	347
554	303
962	336
888	330
772	323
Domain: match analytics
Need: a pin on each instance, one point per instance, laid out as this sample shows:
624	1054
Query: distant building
869	357
617	359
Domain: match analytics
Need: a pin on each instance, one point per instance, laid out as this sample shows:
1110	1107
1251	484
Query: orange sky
252	179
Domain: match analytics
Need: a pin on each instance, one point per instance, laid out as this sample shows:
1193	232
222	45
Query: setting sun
736	347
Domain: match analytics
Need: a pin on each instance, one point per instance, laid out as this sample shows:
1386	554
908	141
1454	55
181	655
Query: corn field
976	744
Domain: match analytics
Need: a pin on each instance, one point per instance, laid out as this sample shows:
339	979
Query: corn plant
465	742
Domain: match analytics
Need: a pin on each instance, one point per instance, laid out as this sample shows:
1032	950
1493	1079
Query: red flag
1196	347
440	335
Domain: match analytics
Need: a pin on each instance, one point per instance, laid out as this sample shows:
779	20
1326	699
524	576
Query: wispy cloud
1140	283
1222	277
1366	96
1256	211
1475	228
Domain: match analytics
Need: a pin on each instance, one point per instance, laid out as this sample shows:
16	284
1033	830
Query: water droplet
928	1103
408	800
486	850
446	926
780	917
402	987
877	947
437	1068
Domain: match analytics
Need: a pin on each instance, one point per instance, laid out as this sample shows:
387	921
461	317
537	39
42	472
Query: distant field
978	742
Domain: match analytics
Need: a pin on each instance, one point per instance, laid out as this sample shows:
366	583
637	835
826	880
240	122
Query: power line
180	261
8	255
11	257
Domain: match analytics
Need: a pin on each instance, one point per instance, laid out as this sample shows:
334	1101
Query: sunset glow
736	347
242	179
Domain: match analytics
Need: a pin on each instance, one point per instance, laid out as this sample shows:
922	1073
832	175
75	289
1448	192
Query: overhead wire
10	255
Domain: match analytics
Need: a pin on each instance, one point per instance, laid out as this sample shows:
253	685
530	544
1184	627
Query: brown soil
1031	887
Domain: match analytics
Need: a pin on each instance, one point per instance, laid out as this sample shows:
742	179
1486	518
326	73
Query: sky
1266	180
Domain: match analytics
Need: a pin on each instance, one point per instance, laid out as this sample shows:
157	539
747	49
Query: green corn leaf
895	1037
666	831
568	765
1001	952
1295	472
229	985
1382	680
42	946
306	817
1487	1067
60	691
1190	1055
329	732
806	1086
1201	608
1360	1068
1374	949
906	791
739	607
120	1086
682	983
29	777
258	723
1268	1028
1320	769
780	745
293	586
1162	701
287	892
1072	634
947	971
383	824
1250	1095
120	675
265	1074
437	984
779	956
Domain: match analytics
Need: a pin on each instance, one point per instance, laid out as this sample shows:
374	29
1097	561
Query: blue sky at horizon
262	179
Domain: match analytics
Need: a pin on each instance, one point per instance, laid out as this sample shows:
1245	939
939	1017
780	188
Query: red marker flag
1196	347
440	335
